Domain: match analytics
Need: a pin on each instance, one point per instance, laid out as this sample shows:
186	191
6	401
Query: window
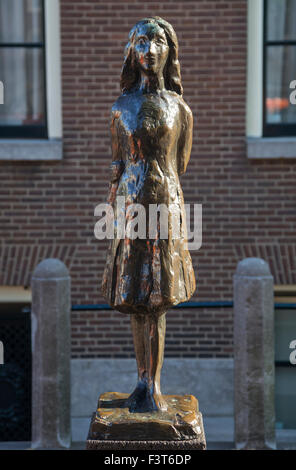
30	69
22	66
271	69
285	377
279	114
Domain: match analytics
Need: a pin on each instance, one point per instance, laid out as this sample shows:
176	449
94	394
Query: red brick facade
248	207
190	332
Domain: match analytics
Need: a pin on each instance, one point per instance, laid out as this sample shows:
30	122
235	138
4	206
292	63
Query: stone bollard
254	356
51	305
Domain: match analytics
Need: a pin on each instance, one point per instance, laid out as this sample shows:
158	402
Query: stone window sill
271	147
31	149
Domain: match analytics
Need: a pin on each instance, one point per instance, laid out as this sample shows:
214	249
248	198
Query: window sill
31	149
271	147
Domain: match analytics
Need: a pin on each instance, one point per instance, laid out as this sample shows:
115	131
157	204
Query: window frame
260	147
281	129
50	149
34	131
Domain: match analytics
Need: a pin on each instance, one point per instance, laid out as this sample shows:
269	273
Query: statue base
113	427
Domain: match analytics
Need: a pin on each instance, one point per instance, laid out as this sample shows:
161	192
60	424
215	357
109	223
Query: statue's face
151	48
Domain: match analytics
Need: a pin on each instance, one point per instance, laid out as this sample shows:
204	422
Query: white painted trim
53	69
255	68
1	93
1	353
31	149
271	147
15	294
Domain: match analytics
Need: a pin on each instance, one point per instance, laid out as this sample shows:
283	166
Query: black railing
206	304
215	304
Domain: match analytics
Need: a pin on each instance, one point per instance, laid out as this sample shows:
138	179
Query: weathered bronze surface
151	131
113	420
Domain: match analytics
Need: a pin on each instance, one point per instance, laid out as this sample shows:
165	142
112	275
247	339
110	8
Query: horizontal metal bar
216	304
280	130
34	131
283	364
281	43
91	307
22	44
284	306
211	304
226	304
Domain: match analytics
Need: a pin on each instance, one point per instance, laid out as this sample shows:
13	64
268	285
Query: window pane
281	20
285	377
23	78
21	21
285	397
285	332
280	72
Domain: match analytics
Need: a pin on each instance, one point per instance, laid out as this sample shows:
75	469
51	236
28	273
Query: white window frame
51	148
257	145
53	68
255	69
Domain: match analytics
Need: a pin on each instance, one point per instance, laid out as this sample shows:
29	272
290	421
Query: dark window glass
22	69
21	21
279	67
281	20
285	374
281	64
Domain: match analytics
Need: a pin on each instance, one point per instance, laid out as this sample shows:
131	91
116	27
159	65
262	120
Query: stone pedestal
254	355
51	425
113	427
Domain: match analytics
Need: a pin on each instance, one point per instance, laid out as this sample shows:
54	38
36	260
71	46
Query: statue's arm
117	164
185	139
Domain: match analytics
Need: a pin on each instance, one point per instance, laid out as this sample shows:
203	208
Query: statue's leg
138	331
155	340
149	338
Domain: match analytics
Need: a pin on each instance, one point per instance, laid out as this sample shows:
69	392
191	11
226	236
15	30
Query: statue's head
152	48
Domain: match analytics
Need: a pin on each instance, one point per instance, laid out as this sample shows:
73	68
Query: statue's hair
130	74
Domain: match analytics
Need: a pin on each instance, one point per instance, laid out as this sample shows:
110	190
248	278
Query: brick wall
248	207
203	332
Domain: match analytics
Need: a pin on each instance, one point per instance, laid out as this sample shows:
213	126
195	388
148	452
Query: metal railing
206	304
214	304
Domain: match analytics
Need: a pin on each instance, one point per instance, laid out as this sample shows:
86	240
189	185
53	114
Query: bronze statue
151	130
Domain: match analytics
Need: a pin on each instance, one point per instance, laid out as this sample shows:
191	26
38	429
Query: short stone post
51	425
254	356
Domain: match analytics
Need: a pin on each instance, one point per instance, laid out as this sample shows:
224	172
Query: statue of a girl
151	129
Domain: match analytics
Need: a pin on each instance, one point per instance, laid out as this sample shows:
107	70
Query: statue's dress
150	134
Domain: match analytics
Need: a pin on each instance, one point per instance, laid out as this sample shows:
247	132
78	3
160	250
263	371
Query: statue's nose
151	48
